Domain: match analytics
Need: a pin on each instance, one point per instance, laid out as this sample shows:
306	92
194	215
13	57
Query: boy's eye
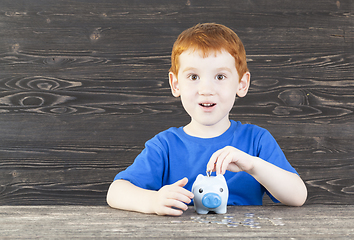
193	77
220	77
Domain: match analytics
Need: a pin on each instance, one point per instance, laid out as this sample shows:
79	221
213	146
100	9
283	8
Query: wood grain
274	222
83	85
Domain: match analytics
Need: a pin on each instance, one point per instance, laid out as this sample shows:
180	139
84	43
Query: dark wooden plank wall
83	85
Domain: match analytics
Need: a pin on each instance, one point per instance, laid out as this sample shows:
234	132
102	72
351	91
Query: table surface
48	222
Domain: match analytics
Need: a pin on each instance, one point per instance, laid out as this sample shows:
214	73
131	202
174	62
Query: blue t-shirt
172	155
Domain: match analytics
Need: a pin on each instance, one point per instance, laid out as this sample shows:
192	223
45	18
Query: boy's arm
285	186
169	200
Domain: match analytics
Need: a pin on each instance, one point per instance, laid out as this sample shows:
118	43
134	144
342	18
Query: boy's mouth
207	104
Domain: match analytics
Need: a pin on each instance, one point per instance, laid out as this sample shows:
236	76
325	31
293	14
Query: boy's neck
203	131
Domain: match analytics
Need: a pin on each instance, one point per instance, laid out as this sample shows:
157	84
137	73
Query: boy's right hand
172	199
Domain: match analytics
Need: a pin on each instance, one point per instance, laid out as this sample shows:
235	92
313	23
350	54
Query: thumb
182	182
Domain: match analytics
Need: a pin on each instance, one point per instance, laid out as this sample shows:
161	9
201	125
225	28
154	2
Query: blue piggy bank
210	194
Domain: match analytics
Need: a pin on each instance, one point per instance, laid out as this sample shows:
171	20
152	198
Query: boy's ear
244	84
174	84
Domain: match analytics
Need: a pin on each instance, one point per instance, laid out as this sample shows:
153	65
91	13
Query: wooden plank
310	222
83	86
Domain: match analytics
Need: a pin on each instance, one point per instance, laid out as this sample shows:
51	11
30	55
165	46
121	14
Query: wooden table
48	222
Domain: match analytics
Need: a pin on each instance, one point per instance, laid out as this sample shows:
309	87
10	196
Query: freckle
48	20
338	4
188	3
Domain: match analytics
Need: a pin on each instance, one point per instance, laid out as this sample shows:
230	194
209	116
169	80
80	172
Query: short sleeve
269	150
148	167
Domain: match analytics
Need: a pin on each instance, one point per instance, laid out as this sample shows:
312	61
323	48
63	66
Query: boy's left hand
230	158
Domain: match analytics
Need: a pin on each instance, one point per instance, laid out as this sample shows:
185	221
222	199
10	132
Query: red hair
209	38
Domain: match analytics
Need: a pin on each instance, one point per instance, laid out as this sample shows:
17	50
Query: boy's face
208	87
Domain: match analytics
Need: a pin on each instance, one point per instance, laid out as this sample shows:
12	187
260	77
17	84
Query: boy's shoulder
254	129
168	135
249	126
170	131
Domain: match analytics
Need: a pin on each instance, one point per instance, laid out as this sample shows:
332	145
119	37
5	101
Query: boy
208	71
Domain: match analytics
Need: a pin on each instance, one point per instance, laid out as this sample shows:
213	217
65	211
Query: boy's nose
206	87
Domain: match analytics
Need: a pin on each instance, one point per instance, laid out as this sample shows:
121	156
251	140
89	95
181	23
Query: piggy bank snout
211	200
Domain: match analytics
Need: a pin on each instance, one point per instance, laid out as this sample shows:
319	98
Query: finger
174	212
178	205
170	211
174	205
188	194
221	162
226	163
181	183
183	196
212	161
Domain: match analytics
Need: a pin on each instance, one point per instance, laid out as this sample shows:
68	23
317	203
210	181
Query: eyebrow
224	69
189	69
218	69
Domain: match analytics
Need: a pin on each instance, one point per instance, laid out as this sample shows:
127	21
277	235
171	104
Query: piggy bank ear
199	177
220	177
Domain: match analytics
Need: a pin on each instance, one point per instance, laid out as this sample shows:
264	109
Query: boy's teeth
207	104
